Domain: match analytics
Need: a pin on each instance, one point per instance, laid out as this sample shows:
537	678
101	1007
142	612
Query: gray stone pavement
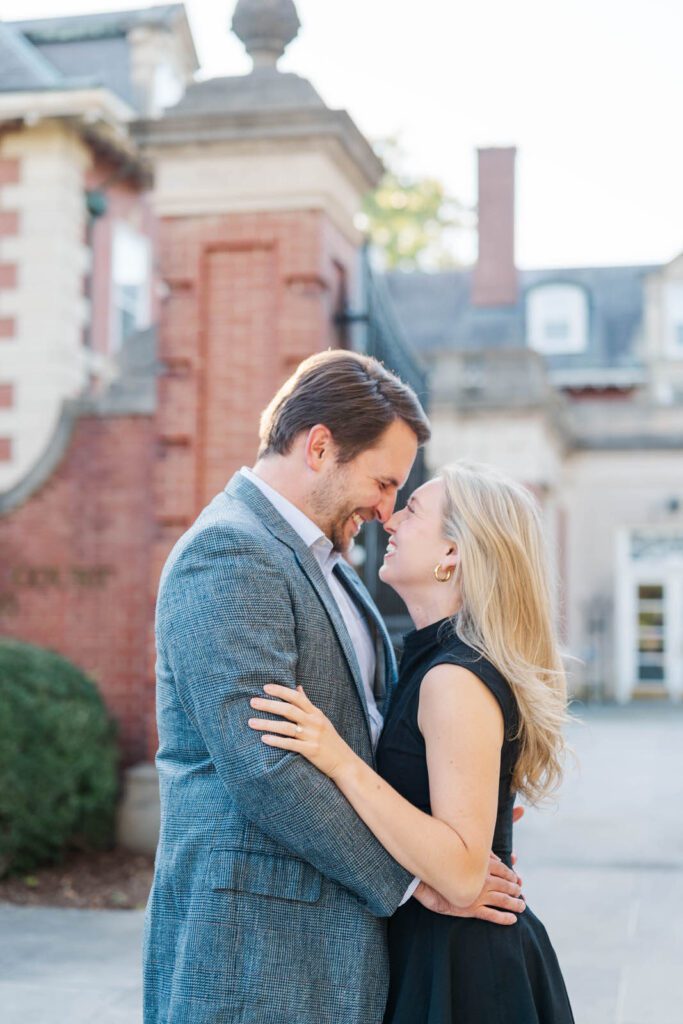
604	871
69	966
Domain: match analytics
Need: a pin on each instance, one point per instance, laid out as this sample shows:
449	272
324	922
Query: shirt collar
310	532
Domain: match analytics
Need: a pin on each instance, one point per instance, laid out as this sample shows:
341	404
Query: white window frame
667	571
131	281
554	304
167	87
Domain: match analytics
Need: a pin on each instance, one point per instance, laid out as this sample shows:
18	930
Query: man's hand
499	900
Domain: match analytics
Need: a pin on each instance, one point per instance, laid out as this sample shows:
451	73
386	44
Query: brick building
170	249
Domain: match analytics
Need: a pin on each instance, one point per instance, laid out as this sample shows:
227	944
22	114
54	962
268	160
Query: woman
476	719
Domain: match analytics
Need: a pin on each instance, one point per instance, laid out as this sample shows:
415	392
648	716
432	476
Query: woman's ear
451	559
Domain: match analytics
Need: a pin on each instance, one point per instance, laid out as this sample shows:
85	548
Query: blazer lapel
387	672
317	580
242	488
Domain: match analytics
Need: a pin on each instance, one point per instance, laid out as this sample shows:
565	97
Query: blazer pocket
262	874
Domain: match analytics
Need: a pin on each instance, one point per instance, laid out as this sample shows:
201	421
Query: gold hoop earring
442	579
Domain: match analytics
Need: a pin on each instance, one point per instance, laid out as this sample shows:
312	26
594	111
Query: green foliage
58	777
412	221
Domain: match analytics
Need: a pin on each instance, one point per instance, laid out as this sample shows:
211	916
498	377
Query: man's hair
353	395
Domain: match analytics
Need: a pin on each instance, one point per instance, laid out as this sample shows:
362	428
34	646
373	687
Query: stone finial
266	27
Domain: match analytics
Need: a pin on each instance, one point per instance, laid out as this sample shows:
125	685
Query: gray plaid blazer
269	893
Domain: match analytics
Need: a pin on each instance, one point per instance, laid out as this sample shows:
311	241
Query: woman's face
416	543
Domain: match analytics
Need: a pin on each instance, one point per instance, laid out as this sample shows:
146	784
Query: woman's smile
391	548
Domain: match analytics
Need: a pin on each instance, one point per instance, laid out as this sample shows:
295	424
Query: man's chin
343	538
342	545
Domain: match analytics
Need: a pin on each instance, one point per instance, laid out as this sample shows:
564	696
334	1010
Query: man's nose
385	508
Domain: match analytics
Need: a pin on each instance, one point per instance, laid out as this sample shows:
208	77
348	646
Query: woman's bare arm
463	729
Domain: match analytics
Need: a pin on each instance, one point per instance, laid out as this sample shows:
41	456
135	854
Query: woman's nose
391	524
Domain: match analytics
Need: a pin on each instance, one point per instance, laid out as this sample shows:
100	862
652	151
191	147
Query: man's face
349	494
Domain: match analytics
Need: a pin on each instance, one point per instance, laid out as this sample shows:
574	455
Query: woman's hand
305	729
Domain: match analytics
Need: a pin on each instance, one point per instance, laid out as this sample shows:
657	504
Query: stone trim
193	130
131	394
43	469
47	464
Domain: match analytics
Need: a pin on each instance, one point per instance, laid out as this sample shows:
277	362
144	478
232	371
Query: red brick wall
74	567
249	296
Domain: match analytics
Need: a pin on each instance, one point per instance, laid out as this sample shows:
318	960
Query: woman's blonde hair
506	613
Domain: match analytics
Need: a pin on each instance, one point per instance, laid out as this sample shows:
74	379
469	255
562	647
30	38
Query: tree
412	221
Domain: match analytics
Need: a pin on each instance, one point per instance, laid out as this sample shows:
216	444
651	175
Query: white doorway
649	613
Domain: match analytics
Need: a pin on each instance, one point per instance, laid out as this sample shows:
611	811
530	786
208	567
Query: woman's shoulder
451	650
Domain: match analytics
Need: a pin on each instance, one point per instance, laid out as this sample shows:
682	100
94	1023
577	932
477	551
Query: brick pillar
249	297
495	276
257	184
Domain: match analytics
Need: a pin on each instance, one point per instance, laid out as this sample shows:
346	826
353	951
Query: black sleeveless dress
449	970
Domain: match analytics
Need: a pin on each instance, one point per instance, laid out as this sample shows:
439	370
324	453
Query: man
269	892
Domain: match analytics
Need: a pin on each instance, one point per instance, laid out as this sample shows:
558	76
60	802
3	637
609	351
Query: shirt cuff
410	890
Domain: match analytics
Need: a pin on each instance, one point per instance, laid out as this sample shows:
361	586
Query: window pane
557	330
650	633
131	283
651	674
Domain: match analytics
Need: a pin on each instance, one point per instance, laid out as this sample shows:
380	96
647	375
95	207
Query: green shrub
58	778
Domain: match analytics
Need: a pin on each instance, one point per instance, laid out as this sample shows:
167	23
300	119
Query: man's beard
333	512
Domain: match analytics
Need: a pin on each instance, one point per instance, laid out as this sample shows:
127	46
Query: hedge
58	760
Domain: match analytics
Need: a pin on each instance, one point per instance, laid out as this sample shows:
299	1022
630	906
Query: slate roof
95	26
437	314
83	49
22	67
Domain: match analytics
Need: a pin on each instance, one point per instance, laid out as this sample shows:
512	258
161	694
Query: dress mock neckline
417	637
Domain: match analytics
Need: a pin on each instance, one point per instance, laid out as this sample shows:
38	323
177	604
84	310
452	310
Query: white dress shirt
354	620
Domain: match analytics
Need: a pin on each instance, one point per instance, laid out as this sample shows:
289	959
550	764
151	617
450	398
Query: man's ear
318	447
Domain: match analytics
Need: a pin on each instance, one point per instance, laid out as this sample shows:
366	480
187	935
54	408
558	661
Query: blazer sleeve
225	627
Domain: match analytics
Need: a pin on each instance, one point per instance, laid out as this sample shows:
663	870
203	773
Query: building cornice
263	126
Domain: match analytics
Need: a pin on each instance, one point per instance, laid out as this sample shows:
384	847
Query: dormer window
557	319
167	88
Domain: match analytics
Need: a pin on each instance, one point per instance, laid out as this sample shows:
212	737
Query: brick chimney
494	280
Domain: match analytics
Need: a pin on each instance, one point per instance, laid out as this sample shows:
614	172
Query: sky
589	91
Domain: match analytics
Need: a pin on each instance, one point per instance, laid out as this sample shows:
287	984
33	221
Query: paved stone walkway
69	966
604	871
